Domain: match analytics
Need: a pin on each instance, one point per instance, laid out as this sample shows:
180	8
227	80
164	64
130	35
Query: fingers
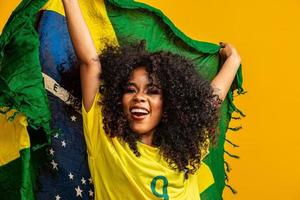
222	49
222	44
225	50
228	50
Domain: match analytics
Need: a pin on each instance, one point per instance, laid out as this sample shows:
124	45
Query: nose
139	97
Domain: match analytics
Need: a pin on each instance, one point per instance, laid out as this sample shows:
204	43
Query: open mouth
139	113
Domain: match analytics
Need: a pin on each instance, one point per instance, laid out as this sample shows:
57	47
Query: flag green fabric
19	56
22	91
18	178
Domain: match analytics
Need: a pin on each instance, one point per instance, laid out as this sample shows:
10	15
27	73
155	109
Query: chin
140	130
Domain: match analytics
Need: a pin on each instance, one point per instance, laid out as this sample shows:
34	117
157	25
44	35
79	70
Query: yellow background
266	33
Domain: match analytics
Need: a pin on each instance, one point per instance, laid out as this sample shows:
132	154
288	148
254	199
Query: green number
164	194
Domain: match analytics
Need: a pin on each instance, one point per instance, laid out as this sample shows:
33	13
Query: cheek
157	108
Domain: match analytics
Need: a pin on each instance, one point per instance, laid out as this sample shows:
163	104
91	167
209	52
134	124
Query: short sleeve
92	124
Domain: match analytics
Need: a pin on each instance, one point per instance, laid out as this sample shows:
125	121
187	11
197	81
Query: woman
147	117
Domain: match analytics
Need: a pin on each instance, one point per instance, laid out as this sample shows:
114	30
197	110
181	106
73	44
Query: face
142	102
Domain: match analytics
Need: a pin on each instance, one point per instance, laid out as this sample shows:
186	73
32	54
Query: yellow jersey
117	173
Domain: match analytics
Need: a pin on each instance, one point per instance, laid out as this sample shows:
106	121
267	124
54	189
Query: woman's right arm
90	67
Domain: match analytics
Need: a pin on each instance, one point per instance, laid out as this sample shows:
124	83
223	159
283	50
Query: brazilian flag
24	118
34	48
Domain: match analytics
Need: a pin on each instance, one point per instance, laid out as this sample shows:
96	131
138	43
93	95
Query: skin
140	93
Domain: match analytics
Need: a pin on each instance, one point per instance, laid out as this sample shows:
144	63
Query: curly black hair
190	108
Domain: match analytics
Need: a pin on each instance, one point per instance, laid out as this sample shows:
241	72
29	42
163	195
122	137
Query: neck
147	139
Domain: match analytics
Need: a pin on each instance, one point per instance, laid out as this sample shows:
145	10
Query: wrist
234	58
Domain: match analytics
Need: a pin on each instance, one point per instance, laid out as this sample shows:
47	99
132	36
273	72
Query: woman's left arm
223	80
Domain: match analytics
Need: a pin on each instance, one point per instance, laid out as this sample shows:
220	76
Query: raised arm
90	67
223	80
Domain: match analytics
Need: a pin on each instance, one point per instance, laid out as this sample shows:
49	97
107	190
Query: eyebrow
135	85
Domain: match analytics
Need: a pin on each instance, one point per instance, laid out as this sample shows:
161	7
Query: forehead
140	75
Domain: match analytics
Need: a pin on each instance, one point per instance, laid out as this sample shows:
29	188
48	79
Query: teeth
139	110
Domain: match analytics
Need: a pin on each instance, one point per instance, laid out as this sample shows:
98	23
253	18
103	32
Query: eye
154	90
129	90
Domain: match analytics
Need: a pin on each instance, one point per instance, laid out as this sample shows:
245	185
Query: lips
139	113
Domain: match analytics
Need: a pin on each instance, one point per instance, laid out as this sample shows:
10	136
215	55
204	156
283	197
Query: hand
229	51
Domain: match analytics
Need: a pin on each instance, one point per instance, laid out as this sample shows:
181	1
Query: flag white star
51	152
73	118
78	191
54	165
83	181
71	176
63	143
91	193
56	135
90	180
57	197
